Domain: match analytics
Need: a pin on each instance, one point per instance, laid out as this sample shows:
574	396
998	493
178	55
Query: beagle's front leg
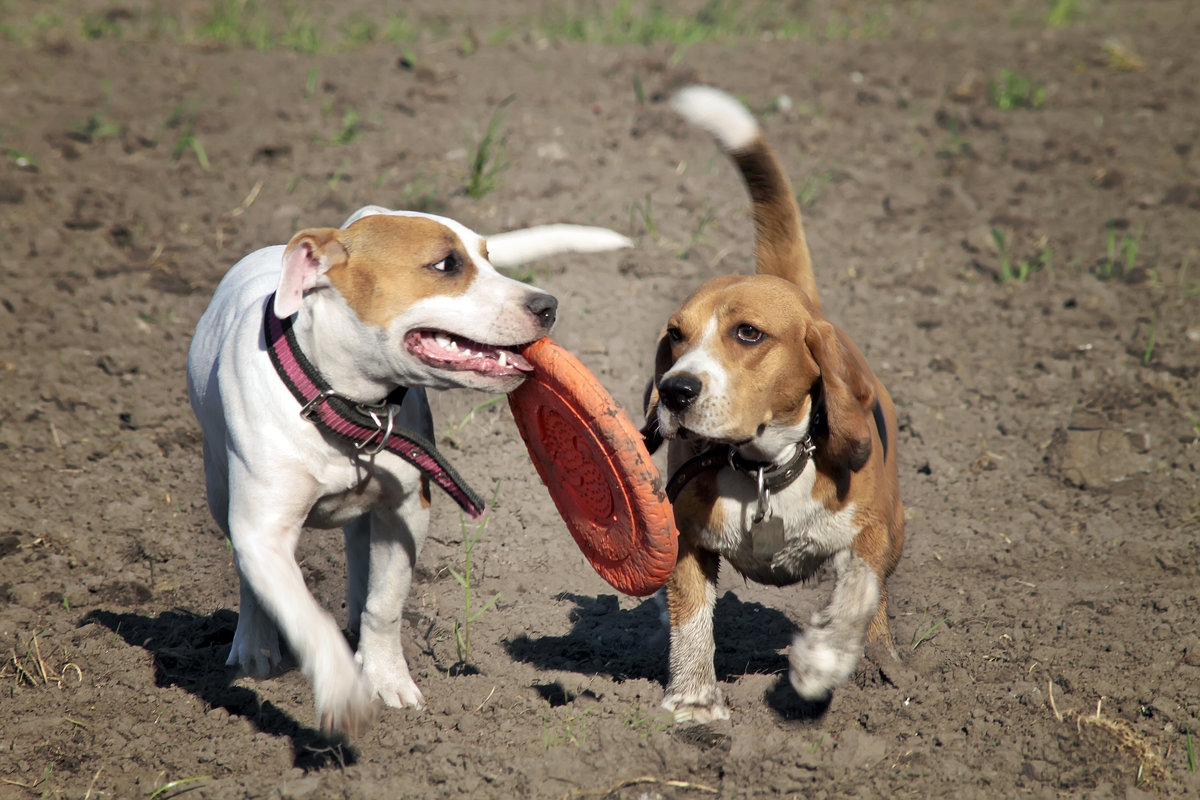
824	656
692	692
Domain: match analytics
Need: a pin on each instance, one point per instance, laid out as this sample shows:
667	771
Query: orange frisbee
598	472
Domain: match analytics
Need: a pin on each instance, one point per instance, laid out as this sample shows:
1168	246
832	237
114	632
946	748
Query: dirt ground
1046	605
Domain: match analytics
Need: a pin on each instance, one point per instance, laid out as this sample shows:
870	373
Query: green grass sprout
1011	91
462	626
920	636
487	156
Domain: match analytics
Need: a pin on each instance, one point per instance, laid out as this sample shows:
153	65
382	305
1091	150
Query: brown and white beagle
782	443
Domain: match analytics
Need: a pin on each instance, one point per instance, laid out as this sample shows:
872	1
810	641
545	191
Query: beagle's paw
817	666
703	707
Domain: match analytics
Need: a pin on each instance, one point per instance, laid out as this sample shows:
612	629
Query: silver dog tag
766	537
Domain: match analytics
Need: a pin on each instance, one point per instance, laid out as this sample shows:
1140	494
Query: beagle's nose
678	392
544	307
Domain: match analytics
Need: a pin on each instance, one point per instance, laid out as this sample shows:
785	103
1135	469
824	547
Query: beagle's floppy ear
662	363
849	394
309	255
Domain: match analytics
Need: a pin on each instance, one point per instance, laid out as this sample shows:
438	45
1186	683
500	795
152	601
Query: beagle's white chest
792	540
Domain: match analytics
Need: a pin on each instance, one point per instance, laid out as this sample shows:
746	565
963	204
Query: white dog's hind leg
824	656
396	539
255	647
358	564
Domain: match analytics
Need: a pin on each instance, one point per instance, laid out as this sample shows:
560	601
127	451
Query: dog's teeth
501	360
451	344
467	353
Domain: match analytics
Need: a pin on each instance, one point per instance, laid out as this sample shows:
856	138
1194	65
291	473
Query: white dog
307	374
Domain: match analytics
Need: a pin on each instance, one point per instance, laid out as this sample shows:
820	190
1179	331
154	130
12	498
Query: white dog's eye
749	334
449	265
674	334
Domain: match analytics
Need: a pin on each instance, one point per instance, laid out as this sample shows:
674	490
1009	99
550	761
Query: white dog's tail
780	247
529	244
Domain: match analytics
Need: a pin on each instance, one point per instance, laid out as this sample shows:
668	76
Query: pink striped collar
371	428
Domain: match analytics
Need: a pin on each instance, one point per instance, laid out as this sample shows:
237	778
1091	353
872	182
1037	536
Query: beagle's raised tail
779	245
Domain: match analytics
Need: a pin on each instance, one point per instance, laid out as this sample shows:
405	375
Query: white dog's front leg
824	656
396	539
264	547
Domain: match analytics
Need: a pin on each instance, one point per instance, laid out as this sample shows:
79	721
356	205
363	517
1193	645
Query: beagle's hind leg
879	633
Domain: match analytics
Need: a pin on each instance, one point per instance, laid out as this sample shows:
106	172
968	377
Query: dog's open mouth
447	351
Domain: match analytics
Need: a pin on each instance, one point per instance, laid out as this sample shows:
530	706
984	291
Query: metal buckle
762	510
385	433
310	407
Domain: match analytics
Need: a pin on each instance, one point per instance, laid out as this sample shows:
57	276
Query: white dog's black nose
544	307
679	391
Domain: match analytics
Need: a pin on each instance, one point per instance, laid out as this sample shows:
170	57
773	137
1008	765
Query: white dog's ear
529	244
365	211
309	255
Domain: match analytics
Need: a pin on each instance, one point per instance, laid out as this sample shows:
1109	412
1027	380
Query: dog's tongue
499	360
518	360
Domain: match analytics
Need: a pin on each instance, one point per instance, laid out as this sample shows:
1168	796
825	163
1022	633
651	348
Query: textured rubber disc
600	476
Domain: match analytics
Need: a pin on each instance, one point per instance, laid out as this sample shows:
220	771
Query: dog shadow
625	644
189	652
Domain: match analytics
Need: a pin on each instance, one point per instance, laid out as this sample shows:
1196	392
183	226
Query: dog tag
766	537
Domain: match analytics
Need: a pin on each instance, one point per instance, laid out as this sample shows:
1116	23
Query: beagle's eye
450	265
674	334
749	334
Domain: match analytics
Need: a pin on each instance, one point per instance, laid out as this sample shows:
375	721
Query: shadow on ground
628	644
189	652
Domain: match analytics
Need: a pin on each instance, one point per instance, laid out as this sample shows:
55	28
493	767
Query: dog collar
769	477
370	427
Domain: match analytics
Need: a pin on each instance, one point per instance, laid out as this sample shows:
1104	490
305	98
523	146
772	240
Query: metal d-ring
385	433
763	510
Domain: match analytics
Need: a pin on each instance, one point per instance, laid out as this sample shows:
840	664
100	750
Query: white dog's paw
394	686
346	703
702	707
381	656
816	668
255	649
